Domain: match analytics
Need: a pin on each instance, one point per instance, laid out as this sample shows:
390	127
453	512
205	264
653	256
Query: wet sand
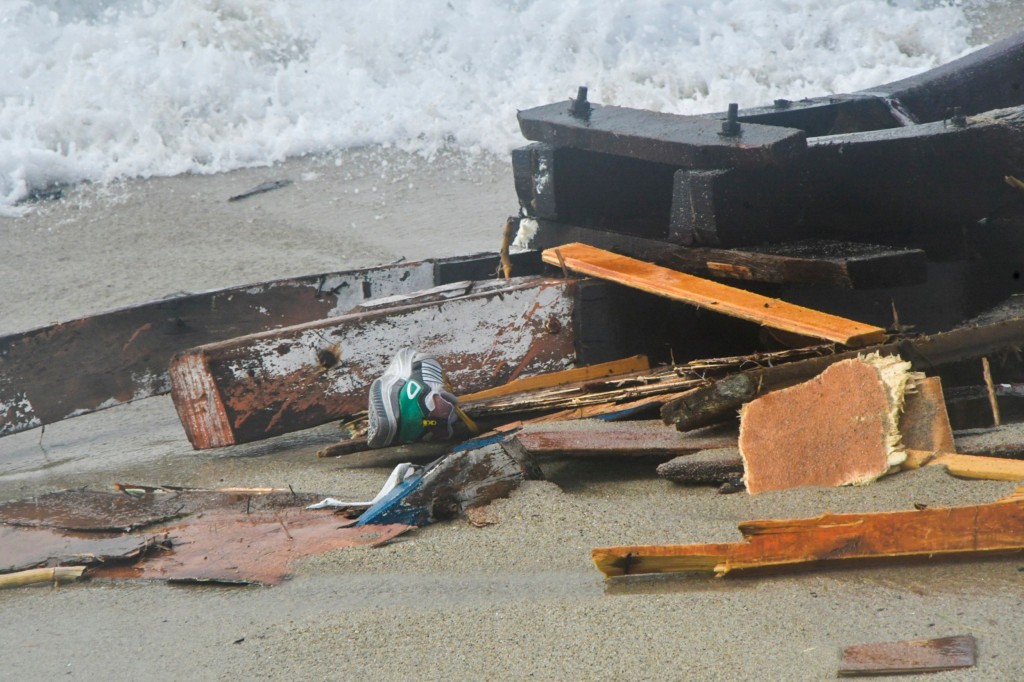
520	599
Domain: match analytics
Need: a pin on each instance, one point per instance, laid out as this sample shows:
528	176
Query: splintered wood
839	428
704	293
953	532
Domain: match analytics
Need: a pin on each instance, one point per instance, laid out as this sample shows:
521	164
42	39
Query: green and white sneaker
410	402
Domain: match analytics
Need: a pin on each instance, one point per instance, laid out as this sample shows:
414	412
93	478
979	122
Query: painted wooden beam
92	363
953	532
263	385
704	293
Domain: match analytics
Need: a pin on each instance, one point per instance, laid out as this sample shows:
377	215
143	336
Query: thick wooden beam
703	293
263	385
691	141
954	532
820	262
705	405
72	368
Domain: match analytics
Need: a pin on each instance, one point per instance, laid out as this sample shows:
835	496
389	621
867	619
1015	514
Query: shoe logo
412	389
429	422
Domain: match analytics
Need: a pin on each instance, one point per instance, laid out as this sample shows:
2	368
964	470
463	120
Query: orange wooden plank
704	293
931	532
636	363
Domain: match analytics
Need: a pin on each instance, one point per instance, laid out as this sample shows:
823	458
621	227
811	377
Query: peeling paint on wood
277	382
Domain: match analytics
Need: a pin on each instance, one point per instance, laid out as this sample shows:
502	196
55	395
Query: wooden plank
92	363
822	262
707	467
968	466
703	293
691	141
595	438
702	406
908	656
263	385
636	363
933	532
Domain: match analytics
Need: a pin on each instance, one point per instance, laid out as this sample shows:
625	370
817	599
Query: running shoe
410	402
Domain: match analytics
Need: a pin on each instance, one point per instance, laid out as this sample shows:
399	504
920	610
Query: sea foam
106	89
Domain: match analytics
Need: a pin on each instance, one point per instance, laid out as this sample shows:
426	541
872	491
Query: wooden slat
968	466
636	363
713	295
908	656
928	533
263	385
594	438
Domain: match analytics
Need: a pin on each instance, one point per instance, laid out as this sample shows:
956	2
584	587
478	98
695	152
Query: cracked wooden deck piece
704	293
836	429
933	532
263	385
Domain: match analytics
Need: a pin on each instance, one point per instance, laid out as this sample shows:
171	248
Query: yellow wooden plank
636	363
969	466
705	293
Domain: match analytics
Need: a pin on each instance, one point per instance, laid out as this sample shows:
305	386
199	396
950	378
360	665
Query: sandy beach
517	600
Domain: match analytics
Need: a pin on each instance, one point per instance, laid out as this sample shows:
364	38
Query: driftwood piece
704	293
267	384
908	656
54	575
595	438
933	532
458	481
722	398
92	363
839	428
707	467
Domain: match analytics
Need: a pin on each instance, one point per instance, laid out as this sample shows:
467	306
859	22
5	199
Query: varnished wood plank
931	532
713	295
263	385
636	363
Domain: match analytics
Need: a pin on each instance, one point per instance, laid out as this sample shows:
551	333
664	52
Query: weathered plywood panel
267	384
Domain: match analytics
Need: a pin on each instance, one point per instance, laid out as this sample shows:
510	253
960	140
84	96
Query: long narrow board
931	532
703	293
263	385
636	363
595	438
92	363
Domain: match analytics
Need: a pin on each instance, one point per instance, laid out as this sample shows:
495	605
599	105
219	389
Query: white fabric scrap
402	473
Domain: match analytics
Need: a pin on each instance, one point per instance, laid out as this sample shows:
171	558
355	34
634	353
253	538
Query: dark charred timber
706	467
690	141
990	78
819	262
721	400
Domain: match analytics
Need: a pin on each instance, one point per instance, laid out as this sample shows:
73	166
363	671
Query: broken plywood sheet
715	296
909	656
267	384
836	429
24	548
930	533
230	547
595	438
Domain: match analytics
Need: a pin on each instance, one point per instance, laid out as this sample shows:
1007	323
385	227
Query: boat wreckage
865	247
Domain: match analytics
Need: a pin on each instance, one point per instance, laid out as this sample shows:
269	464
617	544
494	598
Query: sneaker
410	402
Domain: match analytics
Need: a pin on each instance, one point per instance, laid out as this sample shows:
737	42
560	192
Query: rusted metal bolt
731	124
580	107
